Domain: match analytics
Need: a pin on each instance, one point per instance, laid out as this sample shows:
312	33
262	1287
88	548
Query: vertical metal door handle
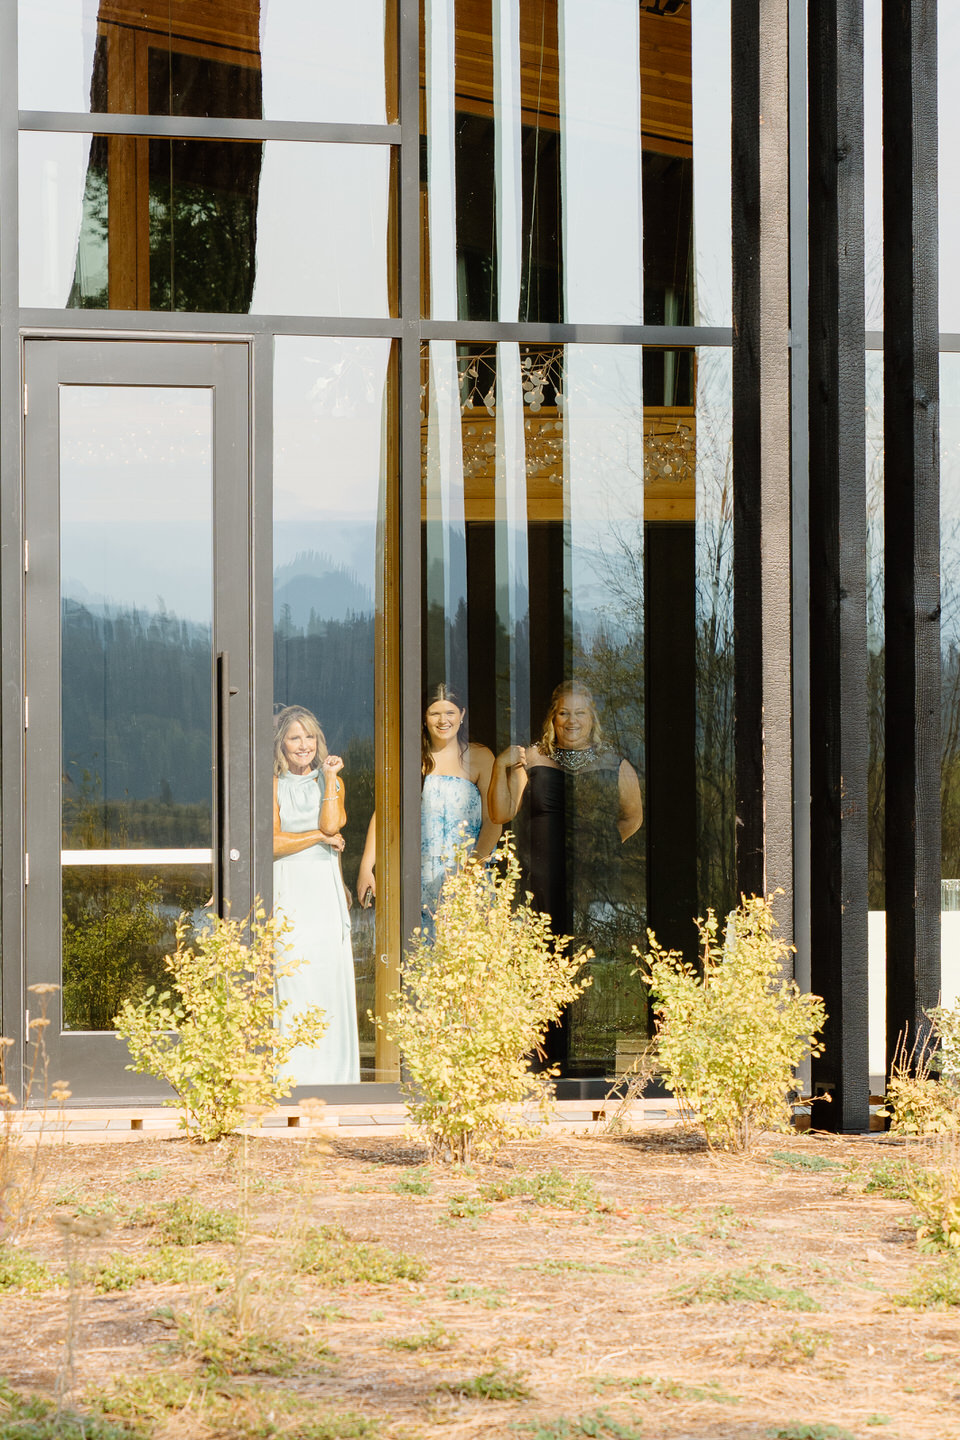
223	783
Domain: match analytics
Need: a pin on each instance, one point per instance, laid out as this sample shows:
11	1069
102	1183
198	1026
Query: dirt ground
687	1294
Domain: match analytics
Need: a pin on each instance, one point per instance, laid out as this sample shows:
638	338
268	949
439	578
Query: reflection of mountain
314	588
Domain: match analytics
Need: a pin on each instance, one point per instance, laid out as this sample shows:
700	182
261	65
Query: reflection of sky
328	422
321	59
710	25
135	497
950	498
948	64
872	168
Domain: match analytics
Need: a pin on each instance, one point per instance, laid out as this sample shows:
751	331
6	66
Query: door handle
224	853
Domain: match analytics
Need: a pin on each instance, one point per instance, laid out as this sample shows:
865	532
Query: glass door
137	710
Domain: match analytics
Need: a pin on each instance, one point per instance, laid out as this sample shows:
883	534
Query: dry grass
599	1286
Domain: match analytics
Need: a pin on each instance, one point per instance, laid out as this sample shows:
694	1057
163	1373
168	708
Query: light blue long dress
450	815
308	893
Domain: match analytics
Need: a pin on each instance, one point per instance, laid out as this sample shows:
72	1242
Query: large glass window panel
577	533
136	555
569	156
333	456
950	662
312	60
872	169
131	223
948	165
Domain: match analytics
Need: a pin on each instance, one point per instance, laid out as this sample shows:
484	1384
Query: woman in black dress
583	802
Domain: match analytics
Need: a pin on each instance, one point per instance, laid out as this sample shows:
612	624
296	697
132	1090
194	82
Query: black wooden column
911	514
838	665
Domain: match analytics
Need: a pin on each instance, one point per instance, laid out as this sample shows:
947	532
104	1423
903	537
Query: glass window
950	662
131	223
872	170
333	458
312	60
563	143
577	603
948	165
136	666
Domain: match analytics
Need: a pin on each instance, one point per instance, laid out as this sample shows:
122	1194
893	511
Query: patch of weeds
597	1424
30	1417
892	1178
666	1389
797	1160
432	1337
223	1351
163	1266
244	1412
797	1345
722	1222
877	1420
743	1286
154	1173
24	1272
413	1182
330	1255
186	1222
496	1384
793	1430
326	1312
586	1267
650	1250
467	1207
940	1290
549	1188
477	1294
86	1204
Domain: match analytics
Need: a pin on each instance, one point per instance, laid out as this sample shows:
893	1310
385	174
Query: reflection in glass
872	170
876	685
330	468
314	60
577	529
948	164
119	921
130	223
561	146
136	532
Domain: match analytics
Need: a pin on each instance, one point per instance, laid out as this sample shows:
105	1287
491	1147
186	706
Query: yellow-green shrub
731	1032
214	1037
477	998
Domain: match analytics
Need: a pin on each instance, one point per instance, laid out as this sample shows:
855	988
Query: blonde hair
567	688
282	724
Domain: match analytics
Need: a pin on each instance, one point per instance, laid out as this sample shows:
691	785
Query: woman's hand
336	842
516	758
331	766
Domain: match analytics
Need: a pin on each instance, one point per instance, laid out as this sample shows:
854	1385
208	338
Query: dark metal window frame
409	330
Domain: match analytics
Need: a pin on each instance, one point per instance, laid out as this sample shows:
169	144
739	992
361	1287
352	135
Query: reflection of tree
716	793
114	937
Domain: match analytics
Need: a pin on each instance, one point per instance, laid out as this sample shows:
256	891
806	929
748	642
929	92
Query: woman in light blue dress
453	802
308	817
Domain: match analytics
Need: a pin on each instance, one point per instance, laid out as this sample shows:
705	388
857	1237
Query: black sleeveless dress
571	852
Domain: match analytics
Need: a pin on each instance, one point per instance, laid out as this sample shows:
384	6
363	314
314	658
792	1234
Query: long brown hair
430	697
567	688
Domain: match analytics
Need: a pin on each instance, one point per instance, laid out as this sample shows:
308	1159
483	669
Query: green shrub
186	1222
935	1195
215	1041
731	1034
495	1384
946	1028
24	1272
332	1256
477	998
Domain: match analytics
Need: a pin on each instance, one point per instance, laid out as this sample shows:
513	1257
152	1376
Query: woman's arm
507	784
366	878
631	804
480	762
286	842
333	815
